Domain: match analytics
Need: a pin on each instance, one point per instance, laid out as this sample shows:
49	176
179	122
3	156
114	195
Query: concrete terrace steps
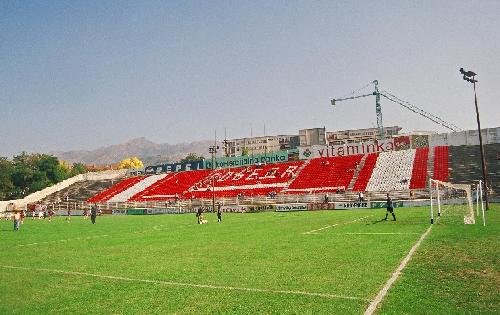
356	172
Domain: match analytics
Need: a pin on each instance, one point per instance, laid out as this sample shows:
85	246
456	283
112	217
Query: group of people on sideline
40	211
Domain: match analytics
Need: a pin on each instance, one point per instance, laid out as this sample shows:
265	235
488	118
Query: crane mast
393	98
378	111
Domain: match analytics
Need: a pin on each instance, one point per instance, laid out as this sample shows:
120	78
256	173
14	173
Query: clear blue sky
83	74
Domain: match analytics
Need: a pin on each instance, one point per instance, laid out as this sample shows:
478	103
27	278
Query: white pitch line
383	292
66	240
381	233
193	285
337	224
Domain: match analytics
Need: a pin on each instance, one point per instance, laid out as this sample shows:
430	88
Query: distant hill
148	151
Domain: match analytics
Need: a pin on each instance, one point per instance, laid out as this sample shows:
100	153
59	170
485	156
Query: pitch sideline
383	292
337	224
192	285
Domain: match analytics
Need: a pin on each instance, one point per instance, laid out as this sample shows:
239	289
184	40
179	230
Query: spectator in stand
326	198
361	196
390	208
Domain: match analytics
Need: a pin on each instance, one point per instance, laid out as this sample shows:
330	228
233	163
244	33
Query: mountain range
149	152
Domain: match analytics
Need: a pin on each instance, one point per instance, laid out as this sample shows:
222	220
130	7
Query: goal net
451	202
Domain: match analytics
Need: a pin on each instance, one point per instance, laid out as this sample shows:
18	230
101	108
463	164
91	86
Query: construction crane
391	97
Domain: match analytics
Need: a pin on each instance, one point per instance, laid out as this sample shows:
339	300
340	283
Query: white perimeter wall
21	203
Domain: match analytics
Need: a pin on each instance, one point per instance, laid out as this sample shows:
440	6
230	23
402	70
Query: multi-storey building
359	135
306	137
262	144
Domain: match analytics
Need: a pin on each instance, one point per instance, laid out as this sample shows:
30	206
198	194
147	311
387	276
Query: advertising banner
237	161
352	205
173	167
320	206
261	208
65	212
383	204
316	151
170	210
136	211
419	141
119	212
401	143
291	207
234	208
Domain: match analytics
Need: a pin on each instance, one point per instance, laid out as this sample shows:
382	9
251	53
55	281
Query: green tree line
28	173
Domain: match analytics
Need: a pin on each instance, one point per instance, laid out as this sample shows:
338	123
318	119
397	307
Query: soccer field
314	262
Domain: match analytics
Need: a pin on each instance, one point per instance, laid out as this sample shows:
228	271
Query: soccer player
199	214
390	208
68	218
93	213
219	213
17	219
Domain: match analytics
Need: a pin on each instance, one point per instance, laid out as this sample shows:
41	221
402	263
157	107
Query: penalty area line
383	292
336	224
381	233
192	285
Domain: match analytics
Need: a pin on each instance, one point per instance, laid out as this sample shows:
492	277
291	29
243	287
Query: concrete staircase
356	172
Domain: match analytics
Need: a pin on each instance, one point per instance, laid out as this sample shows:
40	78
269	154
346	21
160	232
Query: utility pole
213	150
469	76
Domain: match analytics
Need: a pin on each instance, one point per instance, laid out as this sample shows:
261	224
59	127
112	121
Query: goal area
454	203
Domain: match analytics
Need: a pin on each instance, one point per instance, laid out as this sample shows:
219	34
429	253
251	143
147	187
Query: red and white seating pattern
419	173
441	171
172	186
387	171
121	186
250	180
392	171
140	186
326	174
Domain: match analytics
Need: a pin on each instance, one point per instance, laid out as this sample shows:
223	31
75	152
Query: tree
191	157
6	185
245	151
33	172
78	168
132	162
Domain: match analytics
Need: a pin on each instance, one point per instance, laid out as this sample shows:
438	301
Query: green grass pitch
315	262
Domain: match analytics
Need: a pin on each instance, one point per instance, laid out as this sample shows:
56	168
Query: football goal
453	203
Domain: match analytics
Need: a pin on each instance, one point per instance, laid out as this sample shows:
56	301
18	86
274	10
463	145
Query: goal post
454	201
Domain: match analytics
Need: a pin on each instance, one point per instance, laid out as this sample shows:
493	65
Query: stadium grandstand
402	167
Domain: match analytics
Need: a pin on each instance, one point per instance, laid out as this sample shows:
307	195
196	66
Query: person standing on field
219	213
390	208
17	218
93	213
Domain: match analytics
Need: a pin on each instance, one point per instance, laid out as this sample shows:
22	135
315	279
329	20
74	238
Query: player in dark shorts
219	213
390	208
68	218
199	214
93	213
